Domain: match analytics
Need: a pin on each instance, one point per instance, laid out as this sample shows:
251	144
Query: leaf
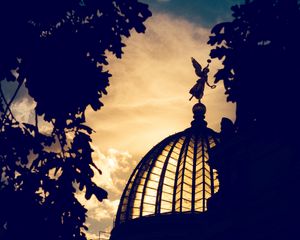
100	193
219	52
30	127
94	165
217	29
88	193
86	128
85	227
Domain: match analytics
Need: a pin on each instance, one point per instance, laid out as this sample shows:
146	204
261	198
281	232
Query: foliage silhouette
258	158
260	72
57	49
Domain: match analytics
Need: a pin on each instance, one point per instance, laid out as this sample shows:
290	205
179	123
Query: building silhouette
169	190
199	184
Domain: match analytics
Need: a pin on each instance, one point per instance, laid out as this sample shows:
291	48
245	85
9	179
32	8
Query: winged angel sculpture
198	89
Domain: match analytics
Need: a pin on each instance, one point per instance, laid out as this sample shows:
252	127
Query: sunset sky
148	95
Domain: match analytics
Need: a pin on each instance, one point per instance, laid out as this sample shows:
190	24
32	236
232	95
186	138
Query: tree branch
7	108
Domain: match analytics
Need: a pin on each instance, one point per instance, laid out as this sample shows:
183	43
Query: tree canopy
260	72
258	158
57	49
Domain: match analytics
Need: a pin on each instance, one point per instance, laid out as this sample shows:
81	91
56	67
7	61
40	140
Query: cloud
23	109
148	101
148	96
116	167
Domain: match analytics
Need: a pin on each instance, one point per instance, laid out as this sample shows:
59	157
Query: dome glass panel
174	176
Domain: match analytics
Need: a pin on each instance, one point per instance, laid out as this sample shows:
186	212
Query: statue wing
197	66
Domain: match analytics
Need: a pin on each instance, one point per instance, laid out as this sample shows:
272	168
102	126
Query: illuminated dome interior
174	176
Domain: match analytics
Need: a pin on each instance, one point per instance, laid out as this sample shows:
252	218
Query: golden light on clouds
148	96
115	165
148	101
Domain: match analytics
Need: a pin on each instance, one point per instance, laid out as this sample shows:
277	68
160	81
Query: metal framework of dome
174	176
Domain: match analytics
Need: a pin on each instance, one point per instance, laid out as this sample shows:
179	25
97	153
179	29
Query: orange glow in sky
148	101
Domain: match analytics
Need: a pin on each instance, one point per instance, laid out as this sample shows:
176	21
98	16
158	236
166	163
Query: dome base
178	226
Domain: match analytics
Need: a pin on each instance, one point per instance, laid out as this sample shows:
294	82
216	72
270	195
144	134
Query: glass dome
173	177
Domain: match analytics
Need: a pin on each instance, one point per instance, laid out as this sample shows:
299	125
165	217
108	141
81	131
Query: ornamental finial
198	89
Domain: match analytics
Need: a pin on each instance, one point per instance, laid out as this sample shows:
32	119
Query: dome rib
180	159
145	185
161	179
182	174
194	173
173	177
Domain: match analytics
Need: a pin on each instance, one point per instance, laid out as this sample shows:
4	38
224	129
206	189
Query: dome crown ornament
197	90
175	175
